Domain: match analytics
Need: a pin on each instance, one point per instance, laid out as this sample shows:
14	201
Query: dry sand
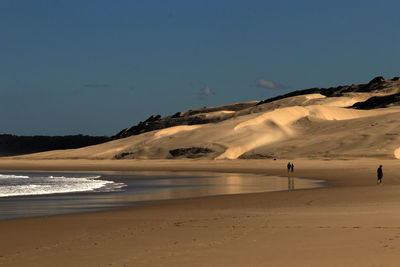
352	223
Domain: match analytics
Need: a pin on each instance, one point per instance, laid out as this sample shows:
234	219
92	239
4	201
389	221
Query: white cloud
207	91
267	84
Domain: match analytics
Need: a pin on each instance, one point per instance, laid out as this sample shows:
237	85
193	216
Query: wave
17	185
61	177
12	176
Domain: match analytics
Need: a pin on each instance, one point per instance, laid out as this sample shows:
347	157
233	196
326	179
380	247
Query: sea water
41	184
31	194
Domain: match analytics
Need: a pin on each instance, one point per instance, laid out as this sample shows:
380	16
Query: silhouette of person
290	167
379	173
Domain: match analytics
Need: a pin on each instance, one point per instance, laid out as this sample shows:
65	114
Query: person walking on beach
290	179
292	168
379	173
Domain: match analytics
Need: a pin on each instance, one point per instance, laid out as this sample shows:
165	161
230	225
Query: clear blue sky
96	67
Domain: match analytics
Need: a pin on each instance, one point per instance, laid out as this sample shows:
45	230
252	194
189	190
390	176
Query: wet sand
352	223
132	189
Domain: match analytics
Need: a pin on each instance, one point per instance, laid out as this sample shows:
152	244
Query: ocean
45	184
31	194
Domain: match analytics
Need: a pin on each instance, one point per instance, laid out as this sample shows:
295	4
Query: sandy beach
158	133
353	222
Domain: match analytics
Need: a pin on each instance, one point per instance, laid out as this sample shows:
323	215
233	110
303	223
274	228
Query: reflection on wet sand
290	182
149	187
214	184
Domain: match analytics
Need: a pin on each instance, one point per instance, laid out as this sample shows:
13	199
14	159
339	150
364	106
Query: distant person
292	167
290	179
379	173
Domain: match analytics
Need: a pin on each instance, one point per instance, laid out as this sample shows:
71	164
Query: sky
97	67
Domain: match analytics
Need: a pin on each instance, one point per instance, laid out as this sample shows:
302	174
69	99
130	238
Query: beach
200	134
353	222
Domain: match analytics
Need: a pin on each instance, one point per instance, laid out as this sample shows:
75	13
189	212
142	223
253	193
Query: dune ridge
314	125
265	132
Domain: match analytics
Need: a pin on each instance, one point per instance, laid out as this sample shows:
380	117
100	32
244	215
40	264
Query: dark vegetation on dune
378	102
11	145
378	83
190	152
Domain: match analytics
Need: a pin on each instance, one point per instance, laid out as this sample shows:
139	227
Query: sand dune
263	129
277	126
277	129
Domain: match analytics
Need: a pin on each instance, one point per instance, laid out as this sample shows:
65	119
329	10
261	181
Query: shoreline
351	222
141	187
304	168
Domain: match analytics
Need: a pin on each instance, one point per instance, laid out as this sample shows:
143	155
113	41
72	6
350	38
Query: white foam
63	177
54	185
12	176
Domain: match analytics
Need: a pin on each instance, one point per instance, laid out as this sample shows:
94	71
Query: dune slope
310	125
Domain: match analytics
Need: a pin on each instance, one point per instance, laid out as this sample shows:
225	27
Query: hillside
216	114
342	122
16	145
